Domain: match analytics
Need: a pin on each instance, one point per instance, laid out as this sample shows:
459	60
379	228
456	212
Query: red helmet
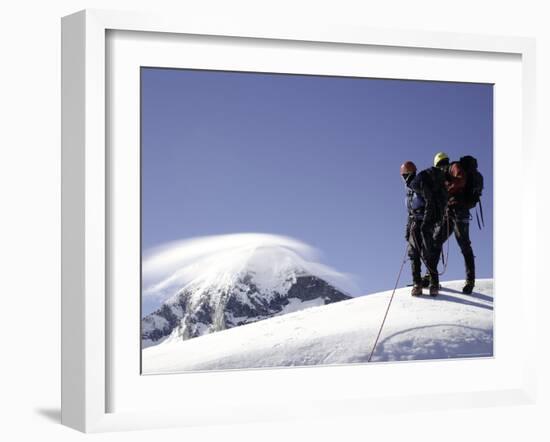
407	167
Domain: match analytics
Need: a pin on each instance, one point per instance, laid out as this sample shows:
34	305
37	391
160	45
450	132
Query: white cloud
167	268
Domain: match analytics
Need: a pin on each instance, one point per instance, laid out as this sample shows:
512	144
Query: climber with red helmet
425	202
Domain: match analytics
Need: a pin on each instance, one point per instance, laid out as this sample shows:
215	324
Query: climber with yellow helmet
457	215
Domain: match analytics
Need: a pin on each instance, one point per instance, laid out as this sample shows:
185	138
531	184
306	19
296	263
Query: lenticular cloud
168	268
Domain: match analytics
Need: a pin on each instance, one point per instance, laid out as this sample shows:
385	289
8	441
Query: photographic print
309	220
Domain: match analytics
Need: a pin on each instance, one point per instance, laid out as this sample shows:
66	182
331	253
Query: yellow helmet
439	156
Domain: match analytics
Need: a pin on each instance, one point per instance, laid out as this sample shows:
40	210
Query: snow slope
451	325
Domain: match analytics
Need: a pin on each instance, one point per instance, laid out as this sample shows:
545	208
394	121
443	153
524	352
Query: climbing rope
389	303
404	260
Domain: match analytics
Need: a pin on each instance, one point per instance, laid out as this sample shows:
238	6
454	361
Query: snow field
448	326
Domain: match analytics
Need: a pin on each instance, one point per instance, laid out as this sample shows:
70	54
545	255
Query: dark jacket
430	185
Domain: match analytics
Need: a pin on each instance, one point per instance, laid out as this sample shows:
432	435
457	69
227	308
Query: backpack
474	182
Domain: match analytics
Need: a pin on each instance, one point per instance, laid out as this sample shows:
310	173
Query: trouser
457	221
422	248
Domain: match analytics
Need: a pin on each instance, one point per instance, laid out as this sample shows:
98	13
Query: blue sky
311	157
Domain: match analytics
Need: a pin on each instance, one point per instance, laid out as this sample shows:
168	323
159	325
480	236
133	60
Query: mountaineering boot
416	290
468	287
434	284
426	280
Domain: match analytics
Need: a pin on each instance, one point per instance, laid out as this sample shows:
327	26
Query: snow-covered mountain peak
222	261
271	269
243	280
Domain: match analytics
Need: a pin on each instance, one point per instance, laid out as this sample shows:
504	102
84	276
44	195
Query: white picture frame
86	205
